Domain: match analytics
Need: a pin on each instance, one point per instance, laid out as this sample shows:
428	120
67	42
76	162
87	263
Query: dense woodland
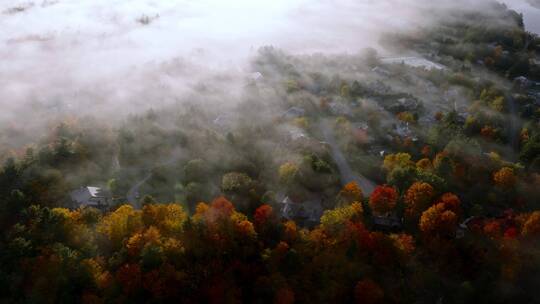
452	154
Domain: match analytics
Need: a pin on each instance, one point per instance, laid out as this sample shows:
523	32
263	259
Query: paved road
347	174
513	121
133	193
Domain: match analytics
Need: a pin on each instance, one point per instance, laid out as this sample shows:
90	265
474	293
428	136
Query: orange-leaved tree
531	227
418	198
383	199
350	193
451	202
263	214
505	178
438	221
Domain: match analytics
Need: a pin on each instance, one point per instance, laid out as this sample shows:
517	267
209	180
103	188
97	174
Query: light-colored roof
294	112
89	196
416	62
94	191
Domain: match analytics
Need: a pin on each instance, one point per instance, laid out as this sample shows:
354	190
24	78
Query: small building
403	130
381	71
296	135
462	228
409	104
223	122
360	132
293	112
339	108
387	223
307	213
526	84
378	88
415	62
256	76
90	197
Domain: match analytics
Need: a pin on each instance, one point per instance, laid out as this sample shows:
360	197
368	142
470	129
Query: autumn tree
451	202
290	231
438	221
130	278
505	178
335	220
263	214
368	292
426	151
169	218
393	161
488	132
120	224
350	193
383	199
284	296
424	164
418	198
220	208
443	164
402	177
406	117
288	172
235	182
531	227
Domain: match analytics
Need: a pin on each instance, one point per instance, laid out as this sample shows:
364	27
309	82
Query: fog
531	13
77	57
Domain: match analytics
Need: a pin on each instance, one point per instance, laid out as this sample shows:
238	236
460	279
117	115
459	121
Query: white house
90	197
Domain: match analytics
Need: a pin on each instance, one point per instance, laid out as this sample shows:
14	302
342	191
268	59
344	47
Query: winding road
347	174
133	193
513	121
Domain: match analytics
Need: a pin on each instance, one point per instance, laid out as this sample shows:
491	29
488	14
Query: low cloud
103	57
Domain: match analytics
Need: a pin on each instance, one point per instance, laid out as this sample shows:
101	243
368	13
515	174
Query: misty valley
400	168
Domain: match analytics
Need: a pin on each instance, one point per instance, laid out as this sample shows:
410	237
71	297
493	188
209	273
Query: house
256	76
378	88
289	209
522	82
307	213
410	104
381	71
403	130
90	197
526	84
463	227
360	125
360	132
415	62
223	121
339	109
293	112
387	223
296	135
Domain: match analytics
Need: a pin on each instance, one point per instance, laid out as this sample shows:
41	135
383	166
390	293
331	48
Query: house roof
360	125
310	209
84	194
294	112
387	221
94	191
